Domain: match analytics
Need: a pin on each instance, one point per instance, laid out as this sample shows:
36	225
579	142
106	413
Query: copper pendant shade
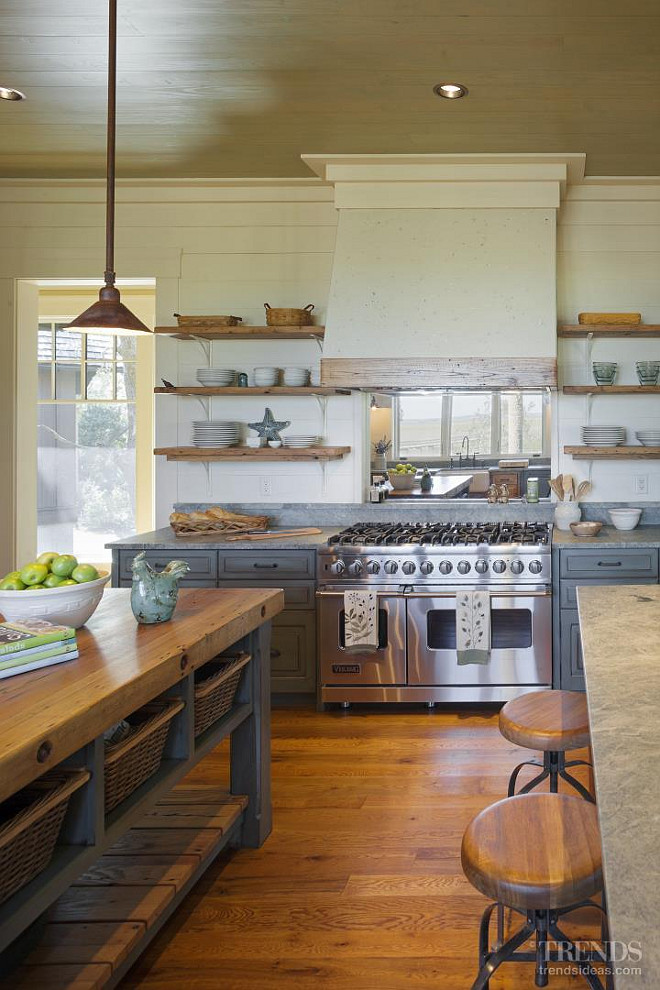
109	315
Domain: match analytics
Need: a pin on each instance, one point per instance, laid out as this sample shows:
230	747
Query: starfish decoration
269	428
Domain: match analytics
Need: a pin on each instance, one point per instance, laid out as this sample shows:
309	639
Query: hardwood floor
360	884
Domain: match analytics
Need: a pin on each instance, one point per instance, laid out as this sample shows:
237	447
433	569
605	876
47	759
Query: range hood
444	271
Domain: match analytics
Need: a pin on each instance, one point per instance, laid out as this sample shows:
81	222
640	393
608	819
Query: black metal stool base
543	926
554	766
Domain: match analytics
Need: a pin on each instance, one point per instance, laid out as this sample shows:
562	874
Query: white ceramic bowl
402	482
625	518
72	605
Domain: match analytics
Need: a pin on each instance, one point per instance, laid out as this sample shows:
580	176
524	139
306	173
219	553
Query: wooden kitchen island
84	919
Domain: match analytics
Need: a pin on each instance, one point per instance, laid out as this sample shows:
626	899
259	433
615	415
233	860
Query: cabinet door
293	652
571	665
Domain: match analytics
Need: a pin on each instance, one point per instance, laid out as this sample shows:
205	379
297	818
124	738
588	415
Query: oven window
382	629
510	629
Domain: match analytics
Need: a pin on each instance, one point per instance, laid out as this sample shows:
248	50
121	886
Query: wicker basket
30	823
215	521
130	762
208	321
215	689
289	317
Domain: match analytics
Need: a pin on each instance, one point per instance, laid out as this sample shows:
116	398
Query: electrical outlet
265	486
641	484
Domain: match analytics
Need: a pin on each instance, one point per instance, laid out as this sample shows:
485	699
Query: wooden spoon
567	485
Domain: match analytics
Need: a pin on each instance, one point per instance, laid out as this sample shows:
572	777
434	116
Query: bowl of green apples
55	587
403	477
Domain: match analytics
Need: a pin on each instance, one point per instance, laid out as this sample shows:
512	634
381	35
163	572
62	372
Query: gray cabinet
576	568
293	652
203	565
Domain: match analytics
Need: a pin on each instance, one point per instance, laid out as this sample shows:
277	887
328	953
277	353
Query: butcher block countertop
49	714
621	649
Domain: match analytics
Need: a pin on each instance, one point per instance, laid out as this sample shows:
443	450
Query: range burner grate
443	534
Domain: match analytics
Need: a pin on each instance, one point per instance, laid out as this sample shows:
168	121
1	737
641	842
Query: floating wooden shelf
611	389
609	330
252	390
613	453
243	333
201	454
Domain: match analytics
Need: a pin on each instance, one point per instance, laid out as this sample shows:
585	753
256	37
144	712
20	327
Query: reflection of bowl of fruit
403	477
53	587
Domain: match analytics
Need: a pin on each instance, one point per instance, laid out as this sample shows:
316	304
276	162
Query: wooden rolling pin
309	531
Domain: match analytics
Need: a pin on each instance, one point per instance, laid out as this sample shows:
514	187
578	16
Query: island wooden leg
250	745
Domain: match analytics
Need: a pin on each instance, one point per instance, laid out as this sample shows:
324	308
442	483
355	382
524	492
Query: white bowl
72	605
625	518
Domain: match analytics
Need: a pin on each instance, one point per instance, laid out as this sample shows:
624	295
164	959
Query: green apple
33	573
47	558
36	587
52	581
11	584
64	565
84	572
67	583
12	576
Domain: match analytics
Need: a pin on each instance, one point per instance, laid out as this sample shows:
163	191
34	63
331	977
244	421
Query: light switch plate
641	482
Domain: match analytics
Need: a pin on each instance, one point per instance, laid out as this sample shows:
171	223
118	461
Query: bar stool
552	721
539	855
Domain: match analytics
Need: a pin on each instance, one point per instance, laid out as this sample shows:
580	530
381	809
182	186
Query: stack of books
34	643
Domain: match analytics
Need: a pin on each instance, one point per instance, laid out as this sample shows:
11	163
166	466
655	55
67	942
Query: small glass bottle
532	489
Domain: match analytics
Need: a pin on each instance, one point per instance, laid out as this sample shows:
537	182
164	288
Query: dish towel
473	627
361	621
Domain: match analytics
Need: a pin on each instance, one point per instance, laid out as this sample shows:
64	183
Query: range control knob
355	568
463	566
373	567
426	567
408	567
391	567
481	566
445	567
535	566
499	566
517	566
338	567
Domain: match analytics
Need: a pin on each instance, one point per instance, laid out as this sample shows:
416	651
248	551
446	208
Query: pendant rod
111	135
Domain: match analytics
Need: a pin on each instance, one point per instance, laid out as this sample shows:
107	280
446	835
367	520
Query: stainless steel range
416	571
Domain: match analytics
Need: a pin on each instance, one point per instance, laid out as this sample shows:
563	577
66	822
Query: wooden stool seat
552	721
535	852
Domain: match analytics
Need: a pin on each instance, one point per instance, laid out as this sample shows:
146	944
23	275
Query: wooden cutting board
270	535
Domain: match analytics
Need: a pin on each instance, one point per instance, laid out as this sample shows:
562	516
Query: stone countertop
621	648
609	537
164	539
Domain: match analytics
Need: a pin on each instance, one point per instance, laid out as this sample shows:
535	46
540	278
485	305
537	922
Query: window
431	426
86	440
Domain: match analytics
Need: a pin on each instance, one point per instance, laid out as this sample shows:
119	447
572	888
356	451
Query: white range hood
444	269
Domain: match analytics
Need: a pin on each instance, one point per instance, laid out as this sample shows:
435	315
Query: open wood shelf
202	454
243	332
252	390
611	389
613	453
609	330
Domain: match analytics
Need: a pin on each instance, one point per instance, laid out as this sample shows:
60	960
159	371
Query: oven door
521	640
386	666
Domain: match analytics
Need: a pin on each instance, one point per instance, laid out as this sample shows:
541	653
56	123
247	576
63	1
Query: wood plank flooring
360	885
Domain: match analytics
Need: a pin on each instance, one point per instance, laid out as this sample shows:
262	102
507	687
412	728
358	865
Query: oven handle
382	593
444	593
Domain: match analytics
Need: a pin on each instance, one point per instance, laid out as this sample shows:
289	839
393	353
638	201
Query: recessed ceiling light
450	91
11	94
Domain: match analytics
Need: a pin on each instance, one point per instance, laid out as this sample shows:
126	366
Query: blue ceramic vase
154	593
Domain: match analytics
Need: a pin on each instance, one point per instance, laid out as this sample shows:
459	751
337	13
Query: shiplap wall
609	260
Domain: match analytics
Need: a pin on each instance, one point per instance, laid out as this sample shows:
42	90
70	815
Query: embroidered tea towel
473	627
361	621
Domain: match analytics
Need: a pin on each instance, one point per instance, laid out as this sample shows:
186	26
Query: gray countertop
621	648
609	537
444	486
164	539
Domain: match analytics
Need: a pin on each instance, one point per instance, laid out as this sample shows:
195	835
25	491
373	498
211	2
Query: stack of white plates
649	438
264	377
299	440
216	433
216	376
603	436
295	376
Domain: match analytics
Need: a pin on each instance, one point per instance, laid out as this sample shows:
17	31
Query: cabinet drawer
203	564
273	563
609	565
567	589
297	594
293	652
194	583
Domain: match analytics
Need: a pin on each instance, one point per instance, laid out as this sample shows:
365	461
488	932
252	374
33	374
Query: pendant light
109	315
